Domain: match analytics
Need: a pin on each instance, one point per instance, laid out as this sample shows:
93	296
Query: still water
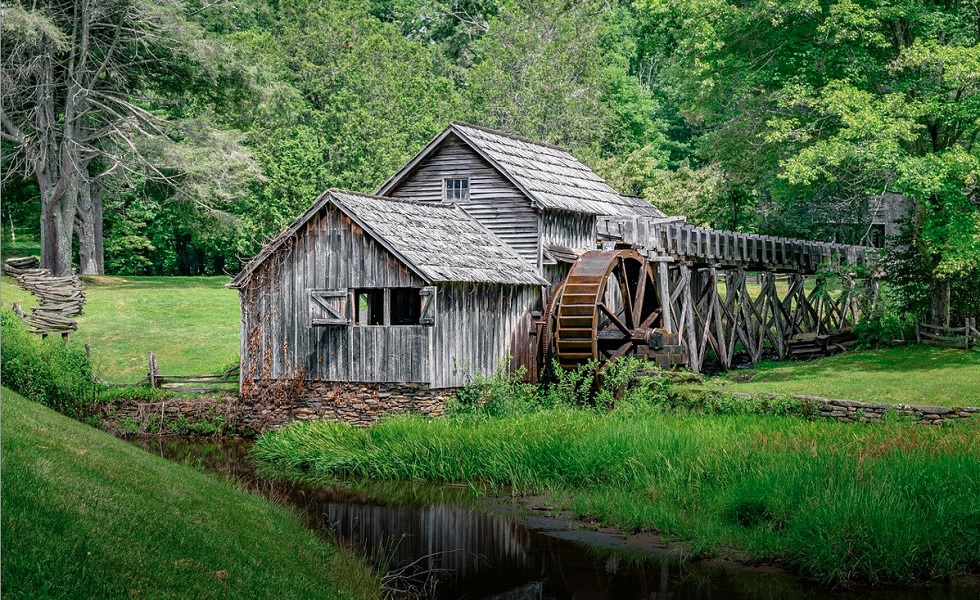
451	544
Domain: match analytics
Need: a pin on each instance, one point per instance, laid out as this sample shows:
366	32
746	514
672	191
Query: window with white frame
456	190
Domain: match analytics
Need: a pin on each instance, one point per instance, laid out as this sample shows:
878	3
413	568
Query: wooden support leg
663	292
690	331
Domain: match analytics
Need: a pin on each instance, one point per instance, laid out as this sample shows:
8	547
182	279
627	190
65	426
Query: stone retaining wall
851	411
268	404
207	415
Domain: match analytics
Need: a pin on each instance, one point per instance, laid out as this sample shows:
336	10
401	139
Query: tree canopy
791	117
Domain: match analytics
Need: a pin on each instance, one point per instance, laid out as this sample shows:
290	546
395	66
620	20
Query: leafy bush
505	393
887	322
46	371
495	395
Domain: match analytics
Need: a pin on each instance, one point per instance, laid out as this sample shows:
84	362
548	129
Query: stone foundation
207	415
851	411
267	404
873	412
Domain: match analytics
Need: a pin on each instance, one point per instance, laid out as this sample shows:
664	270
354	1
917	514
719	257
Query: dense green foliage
790	118
88	516
831	500
45	370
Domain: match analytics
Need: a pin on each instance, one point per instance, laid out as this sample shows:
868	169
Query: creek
449	542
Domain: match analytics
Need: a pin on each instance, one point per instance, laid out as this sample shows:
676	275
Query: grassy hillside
191	323
88	516
912	374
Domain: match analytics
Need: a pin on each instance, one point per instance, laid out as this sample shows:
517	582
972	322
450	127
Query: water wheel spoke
641	289
622	350
624	288
615	320
648	322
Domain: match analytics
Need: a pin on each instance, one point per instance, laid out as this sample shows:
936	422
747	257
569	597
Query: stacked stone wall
269	404
851	411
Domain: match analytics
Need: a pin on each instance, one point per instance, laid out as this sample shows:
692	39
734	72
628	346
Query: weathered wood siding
494	201
329	253
569	229
477	325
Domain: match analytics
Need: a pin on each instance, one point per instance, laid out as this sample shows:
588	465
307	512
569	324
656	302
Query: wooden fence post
918	334
154	371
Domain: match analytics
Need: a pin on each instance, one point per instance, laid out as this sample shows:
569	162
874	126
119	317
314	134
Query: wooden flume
681	296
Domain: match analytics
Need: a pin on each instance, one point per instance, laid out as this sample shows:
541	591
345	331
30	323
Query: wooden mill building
376	290
537	198
483	249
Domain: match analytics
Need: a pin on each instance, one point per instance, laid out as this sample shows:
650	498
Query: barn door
428	314
329	307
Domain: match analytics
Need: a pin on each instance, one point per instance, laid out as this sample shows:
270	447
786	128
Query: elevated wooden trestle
805	292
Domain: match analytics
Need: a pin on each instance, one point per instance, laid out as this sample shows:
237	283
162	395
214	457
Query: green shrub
506	393
496	395
45	370
886	322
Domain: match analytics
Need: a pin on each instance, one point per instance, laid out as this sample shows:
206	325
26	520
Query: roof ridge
512	136
393	200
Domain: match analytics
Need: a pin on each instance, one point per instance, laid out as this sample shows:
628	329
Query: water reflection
445	538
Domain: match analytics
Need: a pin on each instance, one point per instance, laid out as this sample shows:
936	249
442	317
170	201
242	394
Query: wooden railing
949	337
672	237
211	383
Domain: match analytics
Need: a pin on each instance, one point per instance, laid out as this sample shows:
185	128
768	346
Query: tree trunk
57	220
88	228
97	216
939	311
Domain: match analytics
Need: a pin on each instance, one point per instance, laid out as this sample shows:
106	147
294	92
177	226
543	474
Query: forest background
161	137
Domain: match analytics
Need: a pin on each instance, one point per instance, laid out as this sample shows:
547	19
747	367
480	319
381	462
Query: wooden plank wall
477	325
331	252
495	202
569	229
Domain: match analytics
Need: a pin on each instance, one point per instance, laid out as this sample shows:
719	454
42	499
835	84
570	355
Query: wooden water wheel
604	309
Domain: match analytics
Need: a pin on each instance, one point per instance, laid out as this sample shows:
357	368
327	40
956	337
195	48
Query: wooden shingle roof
551	177
442	242
439	243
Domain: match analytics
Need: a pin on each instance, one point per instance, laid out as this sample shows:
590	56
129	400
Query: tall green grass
834	501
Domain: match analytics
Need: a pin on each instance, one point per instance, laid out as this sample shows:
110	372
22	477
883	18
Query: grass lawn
912	375
88	516
28	243
831	500
191	323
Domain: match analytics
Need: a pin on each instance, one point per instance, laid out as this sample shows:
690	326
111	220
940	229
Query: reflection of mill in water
475	554
437	539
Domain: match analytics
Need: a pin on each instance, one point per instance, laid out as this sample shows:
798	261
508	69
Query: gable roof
440	243
551	177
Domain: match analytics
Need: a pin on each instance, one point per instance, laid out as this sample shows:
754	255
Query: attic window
456	190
